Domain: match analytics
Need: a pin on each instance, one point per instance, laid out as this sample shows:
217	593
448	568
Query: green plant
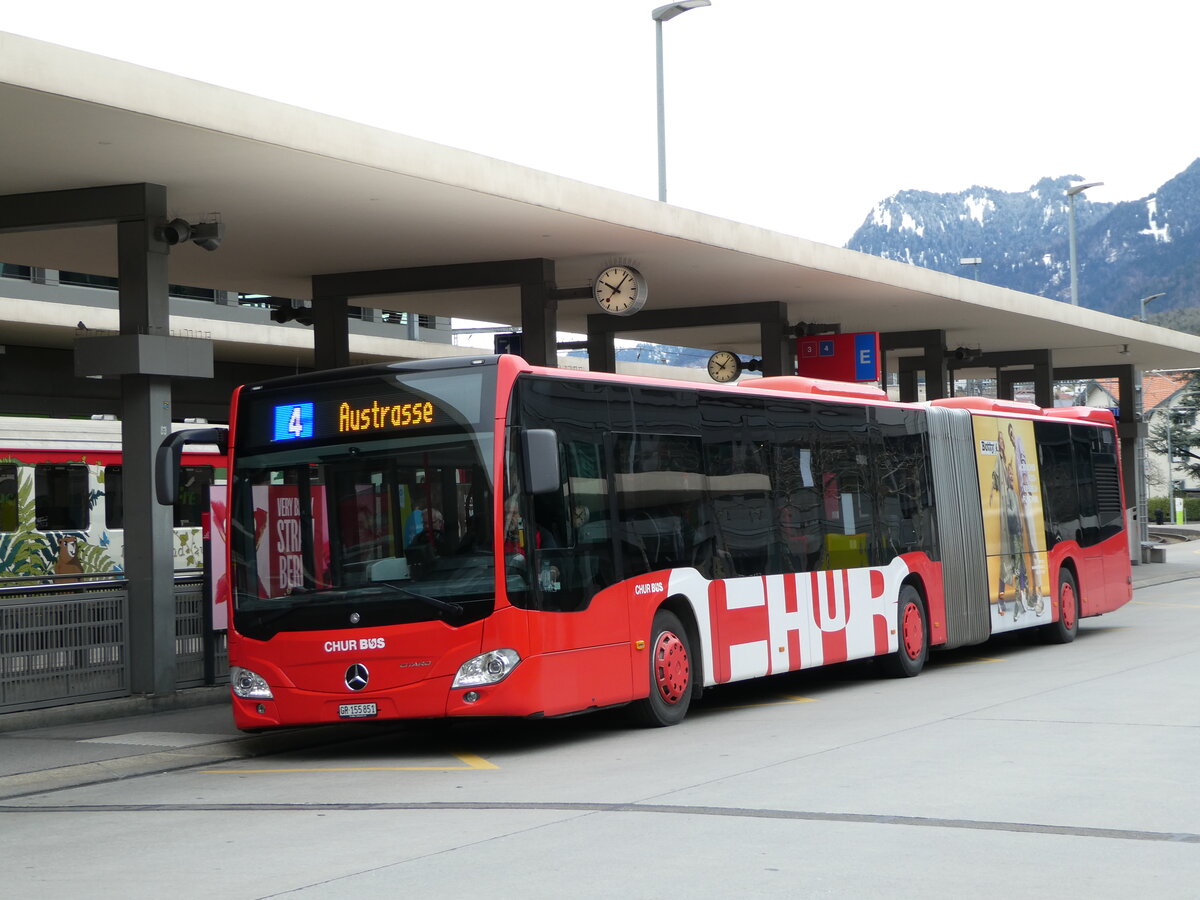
1191	508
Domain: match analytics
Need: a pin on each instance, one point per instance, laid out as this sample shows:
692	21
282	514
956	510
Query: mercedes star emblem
357	677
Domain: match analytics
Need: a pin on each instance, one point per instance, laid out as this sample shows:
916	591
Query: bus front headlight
488	668
249	685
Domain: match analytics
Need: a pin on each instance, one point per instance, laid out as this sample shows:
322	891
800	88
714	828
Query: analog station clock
620	290
724	365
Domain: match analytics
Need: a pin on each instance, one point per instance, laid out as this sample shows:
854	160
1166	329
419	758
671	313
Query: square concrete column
145	421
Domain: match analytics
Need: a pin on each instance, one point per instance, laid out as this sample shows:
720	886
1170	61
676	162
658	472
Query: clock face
620	290
724	365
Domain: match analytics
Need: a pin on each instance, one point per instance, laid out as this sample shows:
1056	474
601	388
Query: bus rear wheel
1064	629
909	658
670	674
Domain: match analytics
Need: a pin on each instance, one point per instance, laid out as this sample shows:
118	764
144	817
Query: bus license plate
357	710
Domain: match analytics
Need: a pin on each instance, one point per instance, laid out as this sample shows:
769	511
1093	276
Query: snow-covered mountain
1126	251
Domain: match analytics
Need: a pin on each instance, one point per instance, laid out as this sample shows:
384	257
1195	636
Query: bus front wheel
670	674
909	658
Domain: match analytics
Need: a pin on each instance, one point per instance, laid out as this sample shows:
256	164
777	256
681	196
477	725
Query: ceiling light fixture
207	235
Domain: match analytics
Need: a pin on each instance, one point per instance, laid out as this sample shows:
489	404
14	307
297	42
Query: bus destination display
297	421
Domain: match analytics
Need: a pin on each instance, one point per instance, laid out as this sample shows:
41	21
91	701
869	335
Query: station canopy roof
302	193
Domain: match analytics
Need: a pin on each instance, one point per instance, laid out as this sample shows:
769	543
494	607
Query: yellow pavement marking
971	662
472	761
789	701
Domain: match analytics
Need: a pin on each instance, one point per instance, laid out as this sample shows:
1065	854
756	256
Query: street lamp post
1071	192
660	15
1170	472
1149	299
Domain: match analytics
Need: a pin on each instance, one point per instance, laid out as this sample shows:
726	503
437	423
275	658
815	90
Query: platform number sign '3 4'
293	421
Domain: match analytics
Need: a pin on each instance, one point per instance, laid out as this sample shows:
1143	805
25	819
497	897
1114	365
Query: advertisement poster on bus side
1011	494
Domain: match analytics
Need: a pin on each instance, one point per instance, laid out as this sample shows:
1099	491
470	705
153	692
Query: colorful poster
214	525
279	524
1015	537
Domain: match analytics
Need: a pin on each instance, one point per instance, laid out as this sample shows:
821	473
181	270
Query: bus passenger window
798	507
660	495
739	520
903	489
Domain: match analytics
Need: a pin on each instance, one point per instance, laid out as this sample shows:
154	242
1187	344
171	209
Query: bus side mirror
540	452
170	453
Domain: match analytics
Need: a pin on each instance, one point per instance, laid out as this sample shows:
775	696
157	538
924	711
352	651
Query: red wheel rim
913	631
671	669
1067	606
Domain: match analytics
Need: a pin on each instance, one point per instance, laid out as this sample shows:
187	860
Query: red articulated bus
482	537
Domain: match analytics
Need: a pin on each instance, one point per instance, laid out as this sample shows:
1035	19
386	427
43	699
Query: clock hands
724	366
616	289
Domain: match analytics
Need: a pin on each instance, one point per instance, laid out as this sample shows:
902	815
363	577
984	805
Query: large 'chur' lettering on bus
778	623
740	628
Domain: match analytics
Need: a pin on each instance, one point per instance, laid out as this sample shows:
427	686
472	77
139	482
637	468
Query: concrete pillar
331	333
601	348
145	420
778	344
539	324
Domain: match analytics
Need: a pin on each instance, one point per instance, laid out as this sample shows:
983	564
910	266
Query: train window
8	498
193	495
114	497
61	497
194	482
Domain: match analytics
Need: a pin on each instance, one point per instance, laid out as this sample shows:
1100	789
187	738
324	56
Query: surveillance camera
208	235
176	232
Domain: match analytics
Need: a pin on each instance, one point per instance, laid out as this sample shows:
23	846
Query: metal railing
66	643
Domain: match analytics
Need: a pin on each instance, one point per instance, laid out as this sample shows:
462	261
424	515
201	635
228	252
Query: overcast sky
795	116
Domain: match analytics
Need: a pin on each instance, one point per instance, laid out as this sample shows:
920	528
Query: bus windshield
378	526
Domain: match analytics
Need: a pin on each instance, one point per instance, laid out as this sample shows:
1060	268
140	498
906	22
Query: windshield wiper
297	601
445	606
307	600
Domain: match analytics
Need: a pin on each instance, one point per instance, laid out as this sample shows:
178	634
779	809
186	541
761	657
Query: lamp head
208	235
205	234
175	232
671	10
